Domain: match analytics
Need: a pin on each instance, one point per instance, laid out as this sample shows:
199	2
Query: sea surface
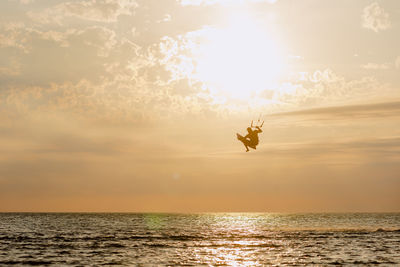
214	239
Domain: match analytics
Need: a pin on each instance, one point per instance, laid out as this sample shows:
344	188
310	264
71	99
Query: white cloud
320	87
92	68
326	87
44	57
25	2
397	62
166	18
91	72
100	10
10	36
375	18
375	66
221	2
9	66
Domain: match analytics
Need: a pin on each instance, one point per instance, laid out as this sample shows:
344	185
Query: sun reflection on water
237	236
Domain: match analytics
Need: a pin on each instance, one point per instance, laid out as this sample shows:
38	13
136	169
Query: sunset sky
133	105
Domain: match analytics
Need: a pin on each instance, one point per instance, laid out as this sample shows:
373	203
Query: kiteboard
241	138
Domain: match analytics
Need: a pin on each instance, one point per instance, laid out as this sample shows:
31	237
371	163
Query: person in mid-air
251	139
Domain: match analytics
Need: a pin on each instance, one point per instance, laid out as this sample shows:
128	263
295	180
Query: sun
240	59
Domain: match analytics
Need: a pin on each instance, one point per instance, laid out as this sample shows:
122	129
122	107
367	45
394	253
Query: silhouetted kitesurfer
251	139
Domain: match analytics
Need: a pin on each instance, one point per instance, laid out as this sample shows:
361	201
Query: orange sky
133	105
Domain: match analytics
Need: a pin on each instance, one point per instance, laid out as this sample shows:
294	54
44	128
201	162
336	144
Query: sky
134	105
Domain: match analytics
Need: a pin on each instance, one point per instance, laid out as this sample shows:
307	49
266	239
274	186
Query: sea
201	239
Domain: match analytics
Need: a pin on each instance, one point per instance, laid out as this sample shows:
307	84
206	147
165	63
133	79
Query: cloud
221	2
10	36
25	2
44	57
92	10
397	62
182	56
105	72
326	87
91	73
375	110
375	18
100	10
321	87
166	18
375	66
9	67
89	68
65	153
387	147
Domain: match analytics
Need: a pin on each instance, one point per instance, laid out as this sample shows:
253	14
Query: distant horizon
202	212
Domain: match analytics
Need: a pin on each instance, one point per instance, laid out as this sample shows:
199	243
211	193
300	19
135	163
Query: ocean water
217	239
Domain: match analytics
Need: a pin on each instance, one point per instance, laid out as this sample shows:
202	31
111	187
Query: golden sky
133	105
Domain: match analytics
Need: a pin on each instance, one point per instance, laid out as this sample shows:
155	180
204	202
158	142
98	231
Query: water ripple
252	239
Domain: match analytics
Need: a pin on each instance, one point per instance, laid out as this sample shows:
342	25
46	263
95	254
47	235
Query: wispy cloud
376	110
397	62
375	66
375	18
58	56
382	148
221	2
92	10
327	87
25	2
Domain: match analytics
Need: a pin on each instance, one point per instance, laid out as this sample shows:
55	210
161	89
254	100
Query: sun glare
240	59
